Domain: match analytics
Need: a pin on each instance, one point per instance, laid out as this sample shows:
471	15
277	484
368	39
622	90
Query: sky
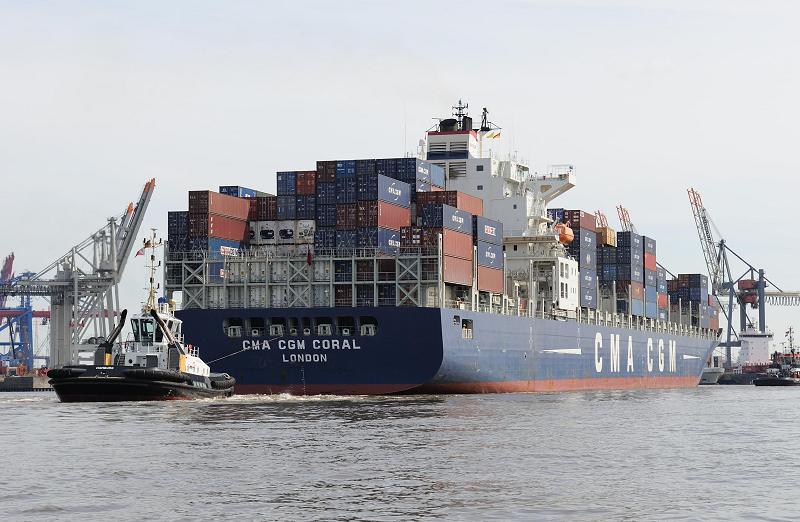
645	99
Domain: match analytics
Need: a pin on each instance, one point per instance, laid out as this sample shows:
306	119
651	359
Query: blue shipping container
345	168
488	230
649	245
490	255
650	294
589	297
630	256
608	273
346	189
347	239
630	273
326	215
384	188
588	278
444	216
287	208
651	310
324	238
629	239
216	248
305	207
556	214
661	285
287	183
650	278
326	193
437	175
237	191
382	239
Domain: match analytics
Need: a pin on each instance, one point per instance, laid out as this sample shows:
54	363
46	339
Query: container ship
451	272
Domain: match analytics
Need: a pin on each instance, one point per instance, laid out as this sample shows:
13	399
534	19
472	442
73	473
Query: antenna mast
152	290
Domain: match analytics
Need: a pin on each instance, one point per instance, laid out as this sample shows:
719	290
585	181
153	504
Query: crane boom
625	222
707	241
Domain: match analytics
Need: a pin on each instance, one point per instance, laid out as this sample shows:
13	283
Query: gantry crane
600	219
82	284
748	288
625	222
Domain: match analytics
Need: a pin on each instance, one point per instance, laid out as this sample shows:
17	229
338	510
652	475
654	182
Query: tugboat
153	365
784	371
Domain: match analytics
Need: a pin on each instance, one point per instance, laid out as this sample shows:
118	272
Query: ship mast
151	244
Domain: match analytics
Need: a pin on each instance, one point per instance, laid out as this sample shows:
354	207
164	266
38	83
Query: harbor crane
82	285
625	220
600	219
749	288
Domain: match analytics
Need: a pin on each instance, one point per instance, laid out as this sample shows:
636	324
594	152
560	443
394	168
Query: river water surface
709	453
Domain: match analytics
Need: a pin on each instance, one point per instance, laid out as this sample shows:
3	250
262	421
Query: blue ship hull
428	350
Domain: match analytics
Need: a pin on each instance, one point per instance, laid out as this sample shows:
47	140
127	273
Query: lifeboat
565	234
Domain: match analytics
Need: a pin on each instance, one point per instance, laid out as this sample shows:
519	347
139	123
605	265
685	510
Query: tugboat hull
110	384
776	381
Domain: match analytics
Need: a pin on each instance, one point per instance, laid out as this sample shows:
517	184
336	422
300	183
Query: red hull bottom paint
322	389
553	385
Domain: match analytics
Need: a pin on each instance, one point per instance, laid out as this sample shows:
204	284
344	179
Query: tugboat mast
152	243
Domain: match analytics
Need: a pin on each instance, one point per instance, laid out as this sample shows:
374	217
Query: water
702	454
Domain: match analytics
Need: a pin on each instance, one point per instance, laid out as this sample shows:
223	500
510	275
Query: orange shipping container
457	271
454	244
606	236
306	183
208	202
490	279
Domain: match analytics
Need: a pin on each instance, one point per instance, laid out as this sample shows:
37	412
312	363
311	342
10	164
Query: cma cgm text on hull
450	272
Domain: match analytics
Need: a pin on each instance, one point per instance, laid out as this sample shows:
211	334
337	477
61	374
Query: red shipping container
650	262
306	183
672	285
663	301
581	219
346	216
383	214
490	279
453	198
252	212
457	271
454	244
208	202
220	227
326	171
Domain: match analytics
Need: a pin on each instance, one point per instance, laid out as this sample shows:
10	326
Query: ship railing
593	317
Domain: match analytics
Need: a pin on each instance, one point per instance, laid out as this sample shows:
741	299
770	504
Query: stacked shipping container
488	237
584	249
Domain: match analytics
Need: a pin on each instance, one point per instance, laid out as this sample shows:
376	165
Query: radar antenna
460	110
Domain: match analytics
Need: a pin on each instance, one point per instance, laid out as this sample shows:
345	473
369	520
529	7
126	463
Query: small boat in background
784	371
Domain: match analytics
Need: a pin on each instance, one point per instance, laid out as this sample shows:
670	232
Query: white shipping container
322	295
286	232
278	296
258	271
305	231
253	227
278	271
268	232
258	296
286	250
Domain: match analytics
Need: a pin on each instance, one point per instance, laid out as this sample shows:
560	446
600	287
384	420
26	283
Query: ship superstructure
443	273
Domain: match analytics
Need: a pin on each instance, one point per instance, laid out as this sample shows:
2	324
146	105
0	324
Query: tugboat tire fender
61	373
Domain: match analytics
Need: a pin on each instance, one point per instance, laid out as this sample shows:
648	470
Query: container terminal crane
81	286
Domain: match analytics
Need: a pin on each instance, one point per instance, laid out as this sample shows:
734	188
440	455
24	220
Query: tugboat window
147	332
135	328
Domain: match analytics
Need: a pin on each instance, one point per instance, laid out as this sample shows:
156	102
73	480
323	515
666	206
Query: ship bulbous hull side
432	350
